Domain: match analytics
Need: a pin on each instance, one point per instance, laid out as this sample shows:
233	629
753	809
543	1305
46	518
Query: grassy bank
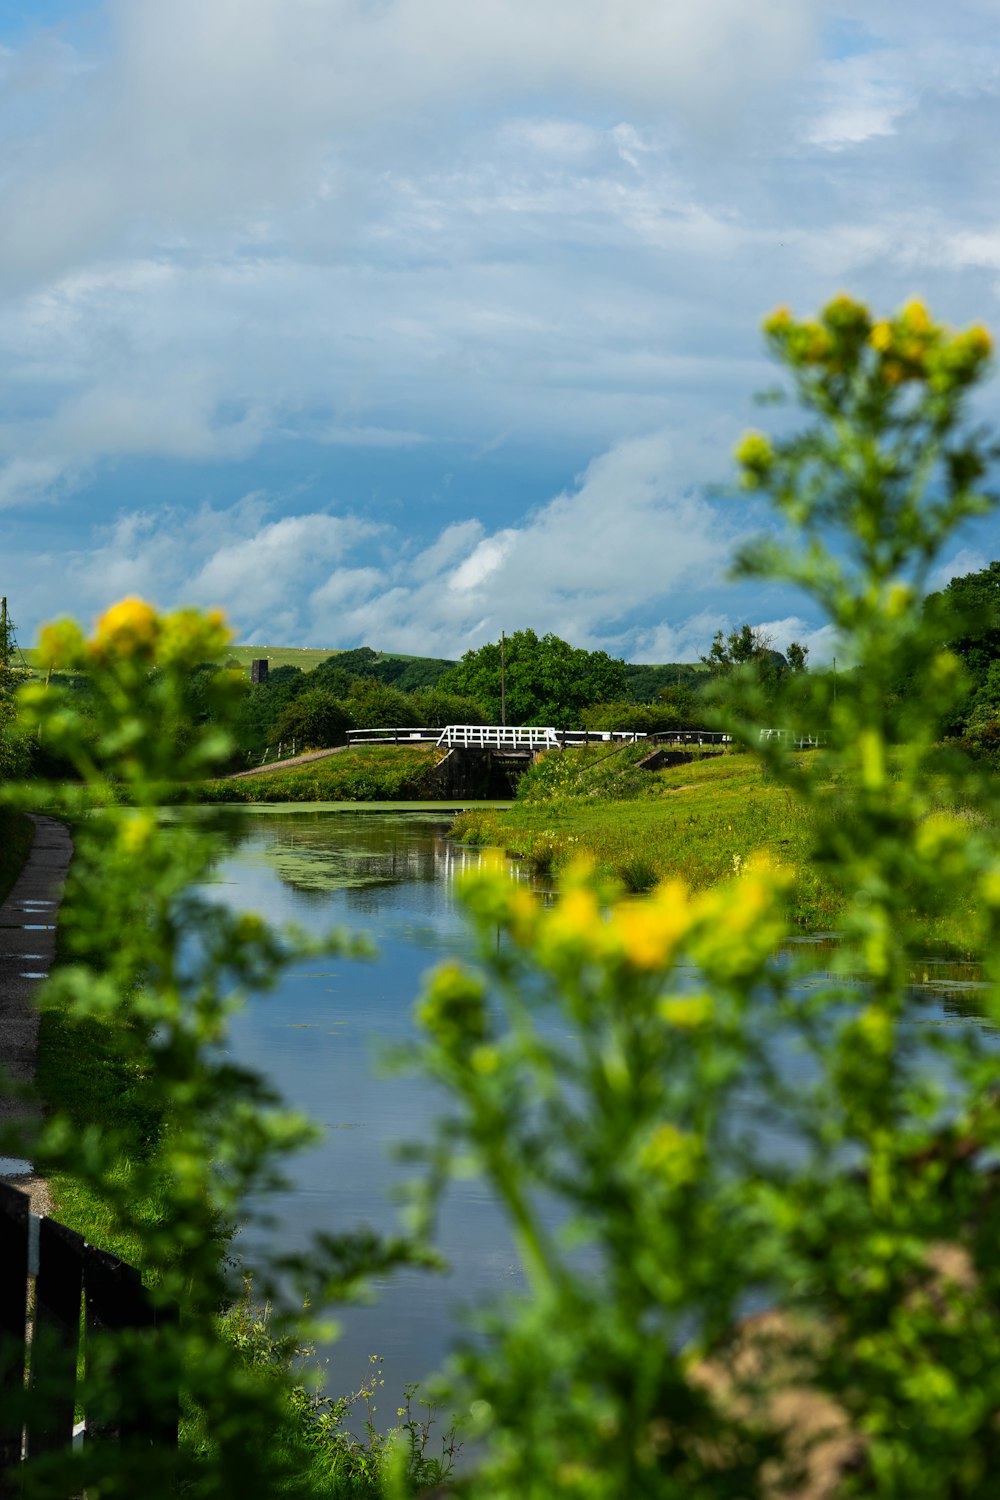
370	773
17	833
700	822
84	1071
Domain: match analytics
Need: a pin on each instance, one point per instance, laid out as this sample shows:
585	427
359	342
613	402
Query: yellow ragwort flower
980	340
880	337
916	317
648	931
754	452
576	921
778	321
128	628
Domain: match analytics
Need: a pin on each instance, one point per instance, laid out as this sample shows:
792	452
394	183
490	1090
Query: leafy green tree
314	719
375	705
15	749
678	710
256	720
966	617
795	655
435	708
647	682
547	680
335	678
406	673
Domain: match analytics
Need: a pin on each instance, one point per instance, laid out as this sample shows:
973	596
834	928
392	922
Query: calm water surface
390	874
318	1038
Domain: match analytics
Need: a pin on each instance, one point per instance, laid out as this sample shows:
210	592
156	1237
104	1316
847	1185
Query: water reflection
368	851
319	1037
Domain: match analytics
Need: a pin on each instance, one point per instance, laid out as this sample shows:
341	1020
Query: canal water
388	872
320	1037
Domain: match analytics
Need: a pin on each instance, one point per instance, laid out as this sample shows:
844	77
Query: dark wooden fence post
70	1277
56	1339
13	1322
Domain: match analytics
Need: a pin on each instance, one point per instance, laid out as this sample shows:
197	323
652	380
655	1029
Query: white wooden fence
493	736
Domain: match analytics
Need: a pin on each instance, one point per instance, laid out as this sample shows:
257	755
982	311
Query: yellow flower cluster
674	1155
132	631
908	347
755	456
727	930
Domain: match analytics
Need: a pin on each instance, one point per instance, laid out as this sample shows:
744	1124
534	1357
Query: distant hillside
303	657
408	673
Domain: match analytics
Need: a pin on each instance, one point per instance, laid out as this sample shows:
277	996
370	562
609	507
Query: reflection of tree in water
943	990
344	851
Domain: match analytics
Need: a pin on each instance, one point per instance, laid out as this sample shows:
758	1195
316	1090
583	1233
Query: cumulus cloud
422	233
623	539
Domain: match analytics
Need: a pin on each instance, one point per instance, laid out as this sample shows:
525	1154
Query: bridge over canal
486	760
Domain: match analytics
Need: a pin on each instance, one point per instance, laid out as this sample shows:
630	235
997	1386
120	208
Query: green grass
305	657
17	833
369	773
84	1072
702	822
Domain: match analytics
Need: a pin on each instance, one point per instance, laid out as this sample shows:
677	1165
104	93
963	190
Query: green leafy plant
157	968
680	1128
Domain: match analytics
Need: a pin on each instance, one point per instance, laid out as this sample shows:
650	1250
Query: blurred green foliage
186	1139
724	1129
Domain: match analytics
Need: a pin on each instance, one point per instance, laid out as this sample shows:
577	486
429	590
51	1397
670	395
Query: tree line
542	679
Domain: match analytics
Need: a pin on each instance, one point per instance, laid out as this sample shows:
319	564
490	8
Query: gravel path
27	948
280	765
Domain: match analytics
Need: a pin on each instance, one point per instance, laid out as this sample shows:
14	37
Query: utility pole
503	676
4	634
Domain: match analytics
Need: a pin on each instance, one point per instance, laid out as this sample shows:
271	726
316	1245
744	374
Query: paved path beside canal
27	948
283	765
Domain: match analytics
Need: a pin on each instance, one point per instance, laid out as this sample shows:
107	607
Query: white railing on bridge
800	741
392	736
493	737
529	737
688	737
498	737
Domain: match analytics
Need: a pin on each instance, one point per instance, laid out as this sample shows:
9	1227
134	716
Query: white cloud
860	97
211	116
27	480
342	233
966	560
622	540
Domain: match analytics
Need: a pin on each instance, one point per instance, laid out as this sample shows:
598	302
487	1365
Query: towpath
281	765
27	949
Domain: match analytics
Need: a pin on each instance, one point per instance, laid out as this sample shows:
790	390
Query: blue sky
400	323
